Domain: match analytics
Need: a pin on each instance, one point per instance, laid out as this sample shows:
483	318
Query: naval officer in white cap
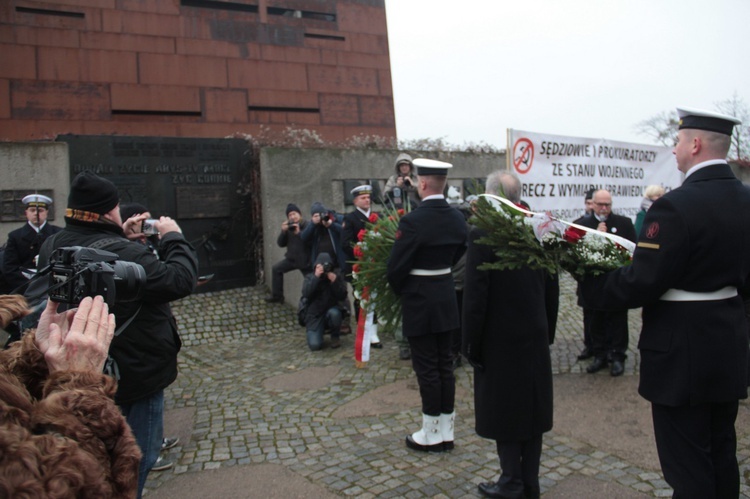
429	241
24	243
690	272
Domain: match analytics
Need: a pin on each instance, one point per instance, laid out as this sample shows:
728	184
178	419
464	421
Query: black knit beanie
292	207
90	192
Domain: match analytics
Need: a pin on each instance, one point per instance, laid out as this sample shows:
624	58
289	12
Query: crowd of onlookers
321	249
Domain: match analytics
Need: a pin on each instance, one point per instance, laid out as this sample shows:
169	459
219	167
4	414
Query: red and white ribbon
625	243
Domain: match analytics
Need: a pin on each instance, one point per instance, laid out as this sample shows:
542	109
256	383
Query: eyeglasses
603	204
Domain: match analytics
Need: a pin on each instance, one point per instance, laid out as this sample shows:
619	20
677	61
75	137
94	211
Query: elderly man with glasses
609	328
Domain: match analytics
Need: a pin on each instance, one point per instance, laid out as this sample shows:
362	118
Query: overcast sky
468	70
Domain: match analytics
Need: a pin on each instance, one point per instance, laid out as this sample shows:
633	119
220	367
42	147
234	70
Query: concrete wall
303	176
35	166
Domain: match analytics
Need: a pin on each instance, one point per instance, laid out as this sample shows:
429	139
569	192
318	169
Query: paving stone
250	380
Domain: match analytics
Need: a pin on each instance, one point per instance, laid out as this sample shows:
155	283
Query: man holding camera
401	187
323	234
145	350
297	256
324	288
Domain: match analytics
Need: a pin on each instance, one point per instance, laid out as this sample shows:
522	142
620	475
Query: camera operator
323	234
324	288
401	187
297	256
145	352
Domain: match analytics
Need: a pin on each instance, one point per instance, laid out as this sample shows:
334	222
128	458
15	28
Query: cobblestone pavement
235	345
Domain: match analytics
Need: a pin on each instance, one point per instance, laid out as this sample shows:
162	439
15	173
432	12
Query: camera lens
129	281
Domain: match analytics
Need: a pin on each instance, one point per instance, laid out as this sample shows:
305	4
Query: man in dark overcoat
690	262
24	243
429	241
608	328
508	321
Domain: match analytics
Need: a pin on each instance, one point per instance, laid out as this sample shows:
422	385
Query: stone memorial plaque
195	181
201	202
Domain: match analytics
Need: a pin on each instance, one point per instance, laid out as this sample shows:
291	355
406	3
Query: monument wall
26	168
229	199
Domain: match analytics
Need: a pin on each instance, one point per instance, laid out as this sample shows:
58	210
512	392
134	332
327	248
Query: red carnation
358	251
361	235
355	268
573	235
400	212
373	218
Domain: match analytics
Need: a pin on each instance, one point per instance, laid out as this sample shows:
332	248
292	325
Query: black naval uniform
352	224
609	328
694	354
431	238
23	245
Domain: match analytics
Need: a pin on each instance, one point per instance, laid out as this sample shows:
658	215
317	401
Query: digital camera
148	227
78	272
327	267
327	215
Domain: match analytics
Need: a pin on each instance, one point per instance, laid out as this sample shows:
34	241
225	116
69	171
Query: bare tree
662	128
740	148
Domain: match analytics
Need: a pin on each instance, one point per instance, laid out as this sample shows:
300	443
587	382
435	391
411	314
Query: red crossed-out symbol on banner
523	155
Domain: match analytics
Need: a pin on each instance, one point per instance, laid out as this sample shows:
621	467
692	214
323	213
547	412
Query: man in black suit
509	318
24	243
688	267
429	241
353	223
609	328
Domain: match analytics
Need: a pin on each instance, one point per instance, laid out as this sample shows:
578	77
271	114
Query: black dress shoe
596	366
377	345
274	299
586	353
494	489
404	353
617	368
410	443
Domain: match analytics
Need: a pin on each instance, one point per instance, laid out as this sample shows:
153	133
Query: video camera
77	272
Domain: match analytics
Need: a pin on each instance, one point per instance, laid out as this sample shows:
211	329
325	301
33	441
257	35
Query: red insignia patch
653	230
398	234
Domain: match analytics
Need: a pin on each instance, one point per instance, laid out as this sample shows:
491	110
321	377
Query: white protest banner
556	171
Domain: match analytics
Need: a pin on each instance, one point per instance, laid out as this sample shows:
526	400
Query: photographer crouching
324	288
146	344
